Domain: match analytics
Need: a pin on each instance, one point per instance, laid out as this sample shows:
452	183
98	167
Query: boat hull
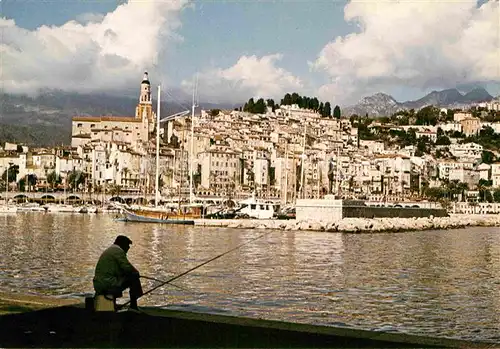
135	217
8	209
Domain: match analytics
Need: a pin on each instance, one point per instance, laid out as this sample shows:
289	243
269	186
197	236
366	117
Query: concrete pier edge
33	304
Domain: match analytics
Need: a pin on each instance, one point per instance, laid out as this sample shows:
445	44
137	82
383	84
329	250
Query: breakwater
393	212
361	225
331	209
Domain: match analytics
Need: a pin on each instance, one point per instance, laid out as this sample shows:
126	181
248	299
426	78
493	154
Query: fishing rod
198	266
158	280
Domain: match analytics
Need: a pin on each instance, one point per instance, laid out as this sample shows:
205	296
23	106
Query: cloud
90	17
251	76
101	53
418	44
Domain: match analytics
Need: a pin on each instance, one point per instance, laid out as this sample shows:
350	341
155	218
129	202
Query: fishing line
158	280
199	266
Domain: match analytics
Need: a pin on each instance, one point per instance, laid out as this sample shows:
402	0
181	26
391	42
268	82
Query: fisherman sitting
114	273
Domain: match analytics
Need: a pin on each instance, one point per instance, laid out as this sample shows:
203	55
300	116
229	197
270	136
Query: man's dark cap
122	240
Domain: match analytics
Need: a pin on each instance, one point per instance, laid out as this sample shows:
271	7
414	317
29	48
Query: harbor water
439	283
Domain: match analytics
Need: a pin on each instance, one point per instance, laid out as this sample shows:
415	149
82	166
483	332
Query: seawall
398	212
359	225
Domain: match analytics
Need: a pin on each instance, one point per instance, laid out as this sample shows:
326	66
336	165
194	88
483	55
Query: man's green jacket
112	269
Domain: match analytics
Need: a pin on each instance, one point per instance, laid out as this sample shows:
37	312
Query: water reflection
444	283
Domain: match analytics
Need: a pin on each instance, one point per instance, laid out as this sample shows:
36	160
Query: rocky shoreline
361	225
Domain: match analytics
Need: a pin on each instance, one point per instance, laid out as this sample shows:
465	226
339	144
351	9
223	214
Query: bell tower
144	108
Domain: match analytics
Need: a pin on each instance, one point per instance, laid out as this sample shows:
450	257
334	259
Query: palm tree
115	189
31	181
53	179
462	188
13	172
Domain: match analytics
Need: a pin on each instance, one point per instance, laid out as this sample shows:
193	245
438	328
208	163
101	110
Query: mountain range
381	104
45	119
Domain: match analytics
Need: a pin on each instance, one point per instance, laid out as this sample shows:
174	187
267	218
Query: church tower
144	109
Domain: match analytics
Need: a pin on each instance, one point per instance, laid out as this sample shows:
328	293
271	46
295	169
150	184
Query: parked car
287	213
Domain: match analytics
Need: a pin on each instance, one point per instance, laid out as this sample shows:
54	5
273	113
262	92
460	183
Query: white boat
85	209
30	207
91	209
59	208
257	208
8	209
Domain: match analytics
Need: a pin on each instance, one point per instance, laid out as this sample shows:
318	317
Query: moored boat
8	209
56	208
257	208
185	215
30	207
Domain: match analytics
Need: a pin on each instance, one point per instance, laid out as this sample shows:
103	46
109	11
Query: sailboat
183	214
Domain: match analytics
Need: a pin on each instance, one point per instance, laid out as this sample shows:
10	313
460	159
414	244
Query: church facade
118	129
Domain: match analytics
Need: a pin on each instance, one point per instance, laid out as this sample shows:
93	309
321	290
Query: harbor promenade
60	196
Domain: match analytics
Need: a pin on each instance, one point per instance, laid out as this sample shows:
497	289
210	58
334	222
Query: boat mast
157	176
337	175
191	194
7	185
302	163
286	172
319	177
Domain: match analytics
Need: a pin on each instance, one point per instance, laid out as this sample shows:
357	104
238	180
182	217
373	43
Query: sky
339	51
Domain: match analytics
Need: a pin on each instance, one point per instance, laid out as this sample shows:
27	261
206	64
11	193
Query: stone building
130	130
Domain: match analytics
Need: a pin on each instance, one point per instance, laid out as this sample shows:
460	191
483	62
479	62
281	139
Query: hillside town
283	152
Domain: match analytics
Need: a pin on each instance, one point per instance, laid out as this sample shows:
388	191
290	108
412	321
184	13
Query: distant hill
46	118
382	104
34	135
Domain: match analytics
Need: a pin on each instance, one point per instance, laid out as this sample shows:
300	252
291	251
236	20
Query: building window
92	125
79	125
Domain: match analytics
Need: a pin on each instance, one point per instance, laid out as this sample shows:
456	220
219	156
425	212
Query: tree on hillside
336	112
259	107
450	115
313	104
427	116
296	99
287	100
249	105
304	102
320	109
214	112
487	157
441	139
270	104
327	111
